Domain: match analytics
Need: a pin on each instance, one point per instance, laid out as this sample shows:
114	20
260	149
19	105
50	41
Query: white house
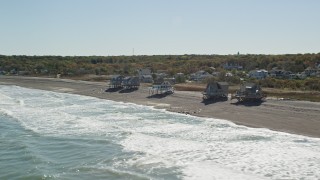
258	74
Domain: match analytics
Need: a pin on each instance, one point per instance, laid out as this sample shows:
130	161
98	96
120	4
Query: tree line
69	66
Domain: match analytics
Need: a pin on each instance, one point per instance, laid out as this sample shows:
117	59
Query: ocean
49	135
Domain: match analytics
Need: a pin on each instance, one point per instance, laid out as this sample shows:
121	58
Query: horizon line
191	54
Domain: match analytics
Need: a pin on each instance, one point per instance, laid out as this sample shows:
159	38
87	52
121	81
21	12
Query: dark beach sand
298	117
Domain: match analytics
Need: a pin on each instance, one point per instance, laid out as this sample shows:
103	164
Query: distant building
232	66
146	79
13	71
145	75
22	73
301	75
2	71
215	73
311	71
229	74
161	73
179	75
171	80
258	74
282	74
44	71
200	76
143	72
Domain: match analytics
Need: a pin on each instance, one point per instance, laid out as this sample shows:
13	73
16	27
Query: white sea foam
202	148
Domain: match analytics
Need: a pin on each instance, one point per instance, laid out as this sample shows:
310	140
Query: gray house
145	75
146	79
310	71
231	66
131	82
200	76
258	74
116	81
216	90
249	92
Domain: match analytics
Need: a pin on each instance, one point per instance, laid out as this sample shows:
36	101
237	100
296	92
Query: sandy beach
298	117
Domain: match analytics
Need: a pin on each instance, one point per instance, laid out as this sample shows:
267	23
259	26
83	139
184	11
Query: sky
158	27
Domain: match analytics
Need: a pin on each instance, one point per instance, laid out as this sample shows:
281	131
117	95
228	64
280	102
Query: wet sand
298	117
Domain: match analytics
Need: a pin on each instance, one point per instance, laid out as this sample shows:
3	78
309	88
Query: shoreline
295	117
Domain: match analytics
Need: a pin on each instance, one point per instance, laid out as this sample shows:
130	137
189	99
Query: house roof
260	70
146	76
250	85
224	83
127	78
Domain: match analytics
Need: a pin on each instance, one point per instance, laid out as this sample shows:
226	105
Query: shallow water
48	135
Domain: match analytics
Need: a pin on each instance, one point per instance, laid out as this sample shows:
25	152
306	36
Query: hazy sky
115	27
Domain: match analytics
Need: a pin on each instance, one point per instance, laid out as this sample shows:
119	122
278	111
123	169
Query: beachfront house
249	92
161	87
200	76
258	74
116	81
131	82
216	90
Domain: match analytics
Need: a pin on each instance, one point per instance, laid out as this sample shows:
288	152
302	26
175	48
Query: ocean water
48	135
